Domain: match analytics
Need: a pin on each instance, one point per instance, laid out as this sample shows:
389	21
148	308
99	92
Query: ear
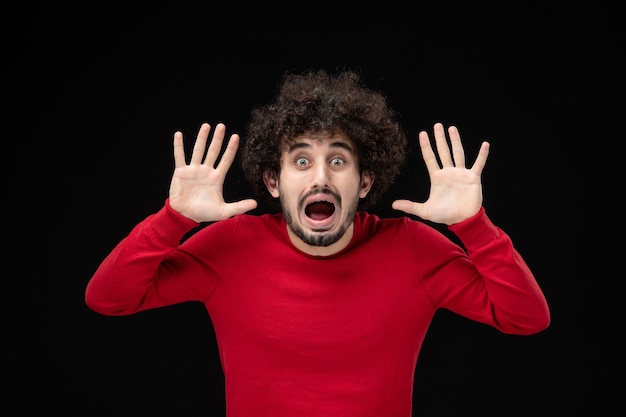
367	180
271	182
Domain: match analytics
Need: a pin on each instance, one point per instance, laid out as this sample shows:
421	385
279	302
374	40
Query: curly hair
316	101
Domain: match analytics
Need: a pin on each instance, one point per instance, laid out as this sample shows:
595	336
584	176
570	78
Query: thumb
242	206
408	206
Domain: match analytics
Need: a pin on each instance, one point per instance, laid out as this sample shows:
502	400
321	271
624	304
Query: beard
320	238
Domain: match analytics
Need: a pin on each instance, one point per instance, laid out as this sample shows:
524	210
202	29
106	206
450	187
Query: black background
94	92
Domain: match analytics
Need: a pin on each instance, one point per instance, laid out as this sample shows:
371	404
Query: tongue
319	211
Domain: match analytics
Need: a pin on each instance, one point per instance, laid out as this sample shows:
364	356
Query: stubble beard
321	238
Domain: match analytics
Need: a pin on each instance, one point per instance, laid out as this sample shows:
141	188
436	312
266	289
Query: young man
320	309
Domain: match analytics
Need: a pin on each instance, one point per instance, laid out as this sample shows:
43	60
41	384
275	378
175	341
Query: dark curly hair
316	101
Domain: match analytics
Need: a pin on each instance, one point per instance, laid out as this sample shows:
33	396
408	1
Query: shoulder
369	225
369	222
236	234
244	224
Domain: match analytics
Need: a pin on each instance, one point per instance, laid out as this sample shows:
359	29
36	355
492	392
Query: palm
456	191
196	190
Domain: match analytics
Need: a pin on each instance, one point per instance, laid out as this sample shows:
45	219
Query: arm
146	269
496	287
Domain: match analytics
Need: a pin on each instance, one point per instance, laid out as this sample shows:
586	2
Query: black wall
93	94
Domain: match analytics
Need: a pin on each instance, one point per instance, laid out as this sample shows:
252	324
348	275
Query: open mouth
319	210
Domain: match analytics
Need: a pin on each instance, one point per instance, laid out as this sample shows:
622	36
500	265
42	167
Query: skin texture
455	191
196	189
313	169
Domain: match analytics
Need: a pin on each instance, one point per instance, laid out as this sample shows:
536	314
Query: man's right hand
196	190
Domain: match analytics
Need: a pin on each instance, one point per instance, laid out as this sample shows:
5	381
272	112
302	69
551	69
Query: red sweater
306	336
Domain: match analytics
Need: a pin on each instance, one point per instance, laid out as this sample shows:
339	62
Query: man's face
319	187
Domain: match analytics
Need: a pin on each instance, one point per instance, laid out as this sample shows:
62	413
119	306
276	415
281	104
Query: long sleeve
126	280
286	320
504	290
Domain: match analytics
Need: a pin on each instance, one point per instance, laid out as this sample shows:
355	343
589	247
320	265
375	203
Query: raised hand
455	191
196	190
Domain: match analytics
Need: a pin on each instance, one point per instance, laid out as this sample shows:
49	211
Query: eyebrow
336	144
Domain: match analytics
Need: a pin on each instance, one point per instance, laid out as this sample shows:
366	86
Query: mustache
311	193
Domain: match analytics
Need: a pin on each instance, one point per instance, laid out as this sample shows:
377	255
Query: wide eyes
304	162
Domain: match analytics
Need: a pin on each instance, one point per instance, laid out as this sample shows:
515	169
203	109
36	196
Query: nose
321	175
